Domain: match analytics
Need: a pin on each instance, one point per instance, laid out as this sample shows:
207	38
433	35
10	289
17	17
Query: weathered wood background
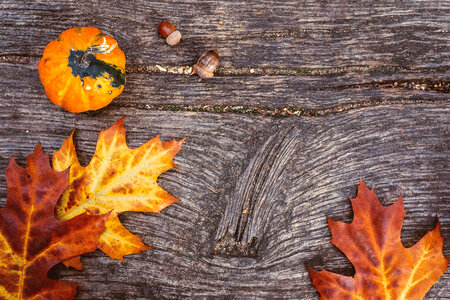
310	96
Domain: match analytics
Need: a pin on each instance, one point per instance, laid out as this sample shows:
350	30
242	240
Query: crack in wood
422	84
285	111
251	204
18	59
283	71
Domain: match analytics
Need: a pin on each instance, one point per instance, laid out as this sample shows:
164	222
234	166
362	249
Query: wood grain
270	33
311	173
251	203
307	93
364	90
274	54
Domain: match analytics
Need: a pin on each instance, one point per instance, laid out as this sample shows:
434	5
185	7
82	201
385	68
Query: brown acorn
169	32
207	64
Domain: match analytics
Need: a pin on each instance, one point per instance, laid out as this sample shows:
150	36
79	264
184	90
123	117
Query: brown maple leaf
384	268
119	179
32	240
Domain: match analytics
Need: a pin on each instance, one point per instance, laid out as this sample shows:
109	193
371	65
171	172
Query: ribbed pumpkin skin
83	69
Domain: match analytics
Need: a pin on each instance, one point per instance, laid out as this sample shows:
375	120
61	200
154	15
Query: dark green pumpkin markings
87	65
99	36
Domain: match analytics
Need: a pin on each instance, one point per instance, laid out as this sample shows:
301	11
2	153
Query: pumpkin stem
82	60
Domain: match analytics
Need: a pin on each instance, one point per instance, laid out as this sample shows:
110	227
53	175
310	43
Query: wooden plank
277	33
306	94
299	170
255	189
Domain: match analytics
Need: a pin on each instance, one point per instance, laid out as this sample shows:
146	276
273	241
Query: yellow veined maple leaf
32	240
384	269
119	179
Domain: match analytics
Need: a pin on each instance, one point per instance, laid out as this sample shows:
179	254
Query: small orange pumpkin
83	69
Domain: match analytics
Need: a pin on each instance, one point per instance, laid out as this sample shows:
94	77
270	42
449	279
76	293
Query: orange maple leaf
384	268
32	240
119	179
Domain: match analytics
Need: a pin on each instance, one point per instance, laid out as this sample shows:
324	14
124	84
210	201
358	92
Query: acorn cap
202	73
207	64
174	38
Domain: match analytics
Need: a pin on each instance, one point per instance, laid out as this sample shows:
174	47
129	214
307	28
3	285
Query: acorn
169	32
207	64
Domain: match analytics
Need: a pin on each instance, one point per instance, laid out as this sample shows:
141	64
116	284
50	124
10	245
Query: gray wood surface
310	97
